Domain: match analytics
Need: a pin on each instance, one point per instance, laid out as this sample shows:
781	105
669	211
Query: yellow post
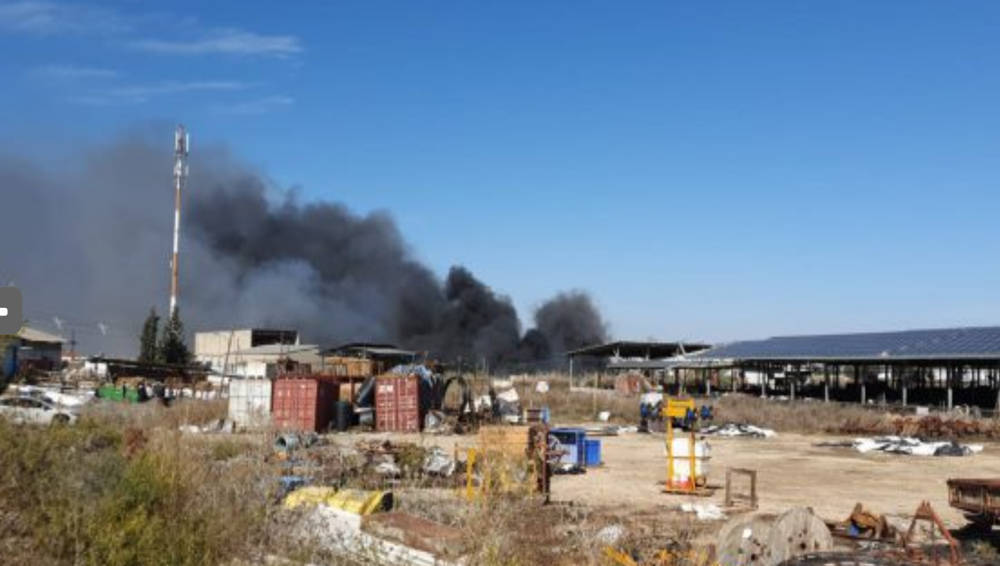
691	458
470	463
670	452
677	408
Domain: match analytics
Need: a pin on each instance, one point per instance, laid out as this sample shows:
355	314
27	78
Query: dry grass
576	406
125	487
806	417
153	414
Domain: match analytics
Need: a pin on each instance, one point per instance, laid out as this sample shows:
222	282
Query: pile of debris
933	426
405	459
737	429
914	446
928	426
907	445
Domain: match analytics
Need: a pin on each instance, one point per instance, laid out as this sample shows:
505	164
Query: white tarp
914	446
735	429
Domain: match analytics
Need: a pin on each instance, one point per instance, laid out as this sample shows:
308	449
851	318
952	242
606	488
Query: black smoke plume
88	242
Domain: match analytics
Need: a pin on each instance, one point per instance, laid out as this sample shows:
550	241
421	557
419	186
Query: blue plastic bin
573	441
593	452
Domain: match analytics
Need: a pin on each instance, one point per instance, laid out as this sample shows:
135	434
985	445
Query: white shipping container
250	402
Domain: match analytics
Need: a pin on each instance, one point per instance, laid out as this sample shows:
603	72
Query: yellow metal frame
678	408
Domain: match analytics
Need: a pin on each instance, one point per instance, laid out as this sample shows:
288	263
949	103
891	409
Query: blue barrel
593	452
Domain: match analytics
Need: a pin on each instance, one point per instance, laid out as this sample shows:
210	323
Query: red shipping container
303	404
397	404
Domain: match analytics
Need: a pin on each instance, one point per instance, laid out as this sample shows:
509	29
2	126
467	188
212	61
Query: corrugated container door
408	403
250	402
397	404
385	404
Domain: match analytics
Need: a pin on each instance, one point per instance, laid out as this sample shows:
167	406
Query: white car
32	410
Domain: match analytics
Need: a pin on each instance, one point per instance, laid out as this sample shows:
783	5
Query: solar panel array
976	342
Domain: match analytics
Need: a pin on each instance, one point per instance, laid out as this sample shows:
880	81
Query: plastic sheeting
736	429
914	446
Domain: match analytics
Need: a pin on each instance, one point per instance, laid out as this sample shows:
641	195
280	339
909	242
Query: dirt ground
791	472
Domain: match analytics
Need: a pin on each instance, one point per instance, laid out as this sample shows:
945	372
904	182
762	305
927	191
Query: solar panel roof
971	342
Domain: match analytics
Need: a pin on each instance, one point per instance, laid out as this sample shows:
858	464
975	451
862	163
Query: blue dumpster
573	441
593	447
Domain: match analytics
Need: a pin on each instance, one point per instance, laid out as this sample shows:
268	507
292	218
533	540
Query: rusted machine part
869	524
917	553
538	452
845	559
979	499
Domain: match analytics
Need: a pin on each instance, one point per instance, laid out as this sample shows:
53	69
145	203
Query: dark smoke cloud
569	321
90	244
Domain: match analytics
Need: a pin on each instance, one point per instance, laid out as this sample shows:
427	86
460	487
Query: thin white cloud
40	17
74	72
259	106
227	41
137	94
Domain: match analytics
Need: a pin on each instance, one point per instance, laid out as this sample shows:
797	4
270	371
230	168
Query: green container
113	393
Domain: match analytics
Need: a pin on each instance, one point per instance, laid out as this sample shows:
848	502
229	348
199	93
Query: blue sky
713	172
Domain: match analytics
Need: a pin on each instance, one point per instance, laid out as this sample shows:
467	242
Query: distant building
269	360
383	357
33	349
248	352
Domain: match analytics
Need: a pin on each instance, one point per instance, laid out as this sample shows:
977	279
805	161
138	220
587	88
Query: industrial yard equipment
978	499
693	483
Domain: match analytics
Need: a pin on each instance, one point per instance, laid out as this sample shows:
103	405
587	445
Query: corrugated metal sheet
250	402
957	343
303	404
397	404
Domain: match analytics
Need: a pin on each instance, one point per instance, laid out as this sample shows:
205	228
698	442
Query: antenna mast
181	145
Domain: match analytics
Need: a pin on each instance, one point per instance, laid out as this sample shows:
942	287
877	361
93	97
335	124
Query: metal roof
32	335
945	343
632	349
371	349
276	350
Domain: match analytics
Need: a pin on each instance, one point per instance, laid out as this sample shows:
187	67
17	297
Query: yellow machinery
680	409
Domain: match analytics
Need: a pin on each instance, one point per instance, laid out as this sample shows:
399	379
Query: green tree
148	348
172	347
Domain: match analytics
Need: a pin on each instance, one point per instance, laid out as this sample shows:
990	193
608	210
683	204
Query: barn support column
996	383
859	377
902	385
826	383
950	378
763	381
